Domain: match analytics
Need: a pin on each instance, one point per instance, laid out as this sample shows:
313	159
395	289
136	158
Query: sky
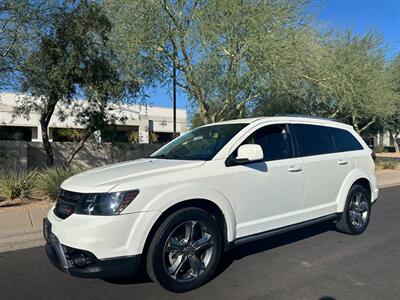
382	16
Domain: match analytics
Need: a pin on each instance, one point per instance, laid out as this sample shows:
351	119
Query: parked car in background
212	188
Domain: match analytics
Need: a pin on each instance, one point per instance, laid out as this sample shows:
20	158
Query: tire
185	250
357	211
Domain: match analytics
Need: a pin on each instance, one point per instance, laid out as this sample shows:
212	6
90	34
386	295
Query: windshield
202	143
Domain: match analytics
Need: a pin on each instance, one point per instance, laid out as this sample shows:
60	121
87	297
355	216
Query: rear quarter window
344	140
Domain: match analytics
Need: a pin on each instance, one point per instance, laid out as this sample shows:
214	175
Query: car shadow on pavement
244	250
269	243
140	278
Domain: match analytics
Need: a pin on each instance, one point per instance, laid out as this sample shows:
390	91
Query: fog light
79	260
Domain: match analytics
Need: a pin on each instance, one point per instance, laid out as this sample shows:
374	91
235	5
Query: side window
313	139
344	140
275	141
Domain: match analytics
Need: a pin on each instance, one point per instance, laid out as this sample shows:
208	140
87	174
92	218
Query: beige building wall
145	119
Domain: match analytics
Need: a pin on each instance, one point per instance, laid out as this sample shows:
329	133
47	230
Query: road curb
387	186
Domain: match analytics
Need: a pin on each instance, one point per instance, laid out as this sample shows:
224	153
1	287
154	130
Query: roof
236	121
290	119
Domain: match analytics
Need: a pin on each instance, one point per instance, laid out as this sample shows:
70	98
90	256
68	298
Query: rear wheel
185	250
357	211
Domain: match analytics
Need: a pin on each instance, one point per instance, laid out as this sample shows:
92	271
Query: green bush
16	185
48	181
379	149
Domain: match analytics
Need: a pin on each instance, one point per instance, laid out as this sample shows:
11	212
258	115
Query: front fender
176	194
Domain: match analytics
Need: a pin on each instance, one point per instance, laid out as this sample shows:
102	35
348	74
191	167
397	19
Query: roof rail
306	116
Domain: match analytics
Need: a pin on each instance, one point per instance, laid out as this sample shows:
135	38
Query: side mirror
249	153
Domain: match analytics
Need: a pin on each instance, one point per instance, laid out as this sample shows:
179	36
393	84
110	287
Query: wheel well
207	205
364	183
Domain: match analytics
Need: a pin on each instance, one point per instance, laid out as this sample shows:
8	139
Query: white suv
223	184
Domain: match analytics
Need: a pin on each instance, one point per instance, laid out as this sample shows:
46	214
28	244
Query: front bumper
104	236
82	263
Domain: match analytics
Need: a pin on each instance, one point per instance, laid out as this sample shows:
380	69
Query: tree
104	91
349	81
72	59
19	23
226	52
300	81
250	58
360	87
391	122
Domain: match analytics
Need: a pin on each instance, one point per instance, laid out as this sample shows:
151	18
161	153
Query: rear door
350	148
324	168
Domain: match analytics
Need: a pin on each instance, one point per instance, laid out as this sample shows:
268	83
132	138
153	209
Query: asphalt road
312	263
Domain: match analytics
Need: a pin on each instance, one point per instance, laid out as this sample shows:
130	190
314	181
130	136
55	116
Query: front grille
66	203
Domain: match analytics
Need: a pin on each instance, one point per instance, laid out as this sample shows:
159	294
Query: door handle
295	169
342	161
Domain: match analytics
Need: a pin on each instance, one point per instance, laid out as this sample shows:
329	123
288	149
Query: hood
103	179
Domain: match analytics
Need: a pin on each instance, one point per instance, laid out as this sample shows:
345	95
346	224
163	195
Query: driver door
269	194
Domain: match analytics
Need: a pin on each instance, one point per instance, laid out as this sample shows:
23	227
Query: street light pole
174	91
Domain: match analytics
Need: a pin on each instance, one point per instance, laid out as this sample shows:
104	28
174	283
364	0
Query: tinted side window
313	139
344	140
275	141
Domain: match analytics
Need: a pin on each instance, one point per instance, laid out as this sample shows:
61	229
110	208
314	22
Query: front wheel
357	211
185	250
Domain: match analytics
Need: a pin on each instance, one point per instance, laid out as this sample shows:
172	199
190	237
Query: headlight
106	204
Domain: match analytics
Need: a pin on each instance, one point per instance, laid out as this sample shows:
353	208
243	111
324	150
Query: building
387	141
142	121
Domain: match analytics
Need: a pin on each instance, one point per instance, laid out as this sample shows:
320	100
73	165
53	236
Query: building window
16	133
164	137
120	134
66	134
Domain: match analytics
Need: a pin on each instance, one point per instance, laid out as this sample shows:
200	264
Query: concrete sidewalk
21	226
388	178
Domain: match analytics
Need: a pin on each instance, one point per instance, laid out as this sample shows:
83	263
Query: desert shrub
16	185
133	137
384	163
153	138
379	149
3	154
48	181
389	164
